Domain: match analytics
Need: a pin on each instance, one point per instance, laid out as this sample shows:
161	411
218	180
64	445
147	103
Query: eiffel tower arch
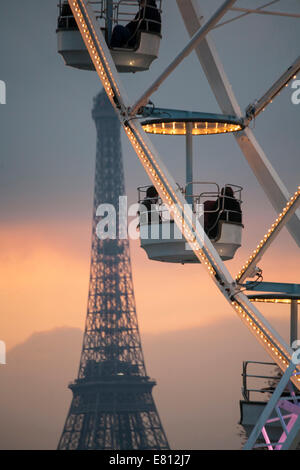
112	405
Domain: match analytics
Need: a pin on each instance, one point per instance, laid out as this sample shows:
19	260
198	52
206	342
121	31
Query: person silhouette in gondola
148	211
148	18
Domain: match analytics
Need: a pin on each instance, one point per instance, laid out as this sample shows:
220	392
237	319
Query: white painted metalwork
265	12
242	15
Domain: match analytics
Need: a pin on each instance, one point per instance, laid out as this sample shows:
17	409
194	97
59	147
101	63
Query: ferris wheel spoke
270	236
259	11
254	109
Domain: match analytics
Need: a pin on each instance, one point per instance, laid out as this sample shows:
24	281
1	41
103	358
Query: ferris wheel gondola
132	53
161	239
220	209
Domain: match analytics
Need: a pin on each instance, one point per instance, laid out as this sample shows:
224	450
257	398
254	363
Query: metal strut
254	109
191	229
269	237
287	412
259	11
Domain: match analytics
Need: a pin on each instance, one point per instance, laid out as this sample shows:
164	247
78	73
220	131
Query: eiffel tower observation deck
112	405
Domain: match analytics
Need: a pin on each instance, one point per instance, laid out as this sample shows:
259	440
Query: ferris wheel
114	37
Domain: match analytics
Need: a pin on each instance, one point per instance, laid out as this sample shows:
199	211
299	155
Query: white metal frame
167	188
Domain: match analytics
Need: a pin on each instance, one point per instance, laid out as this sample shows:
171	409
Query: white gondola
72	48
134	59
162	240
176	251
140	58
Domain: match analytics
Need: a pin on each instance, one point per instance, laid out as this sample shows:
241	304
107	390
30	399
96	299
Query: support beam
258	106
266	12
254	154
189	163
294	321
280	287
196	39
242	15
270	236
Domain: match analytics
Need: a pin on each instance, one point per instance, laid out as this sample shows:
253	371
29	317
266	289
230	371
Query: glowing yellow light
273	301
180	128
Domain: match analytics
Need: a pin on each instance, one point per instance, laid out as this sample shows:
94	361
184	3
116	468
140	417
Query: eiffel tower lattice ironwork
112	405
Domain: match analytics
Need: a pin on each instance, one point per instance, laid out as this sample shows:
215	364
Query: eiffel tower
112	405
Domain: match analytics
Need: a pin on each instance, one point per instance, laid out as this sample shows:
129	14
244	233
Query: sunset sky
48	145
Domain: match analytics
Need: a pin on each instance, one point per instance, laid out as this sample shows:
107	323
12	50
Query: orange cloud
44	273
